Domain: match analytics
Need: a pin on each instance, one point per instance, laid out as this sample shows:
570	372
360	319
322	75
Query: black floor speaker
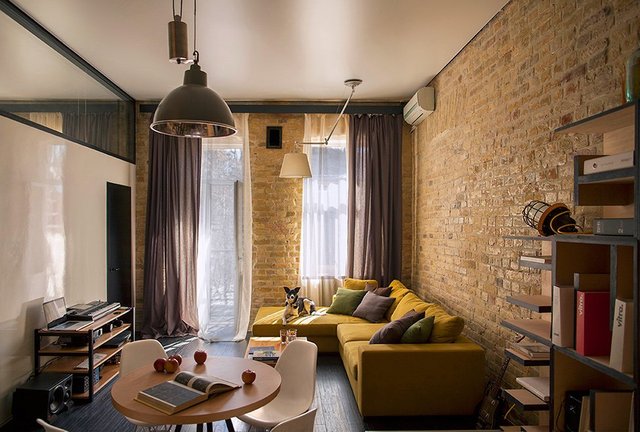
44	396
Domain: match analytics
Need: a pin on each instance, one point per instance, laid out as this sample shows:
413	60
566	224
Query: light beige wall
53	231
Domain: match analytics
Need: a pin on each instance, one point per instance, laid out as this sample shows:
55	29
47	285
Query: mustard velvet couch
442	377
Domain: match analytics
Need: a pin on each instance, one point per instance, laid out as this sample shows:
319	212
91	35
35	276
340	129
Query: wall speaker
44	396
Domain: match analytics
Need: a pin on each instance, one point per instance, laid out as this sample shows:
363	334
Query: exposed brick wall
489	148
277	208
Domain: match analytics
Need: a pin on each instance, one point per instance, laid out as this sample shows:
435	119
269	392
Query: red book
593	336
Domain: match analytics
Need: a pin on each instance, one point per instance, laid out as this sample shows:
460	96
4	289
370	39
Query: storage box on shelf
536	329
58	358
616	256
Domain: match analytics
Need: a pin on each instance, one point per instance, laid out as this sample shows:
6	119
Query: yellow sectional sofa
442	377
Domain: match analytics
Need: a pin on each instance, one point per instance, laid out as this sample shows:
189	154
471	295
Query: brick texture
489	148
277	208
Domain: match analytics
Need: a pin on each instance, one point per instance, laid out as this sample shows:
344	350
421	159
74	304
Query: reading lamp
296	165
549	219
193	109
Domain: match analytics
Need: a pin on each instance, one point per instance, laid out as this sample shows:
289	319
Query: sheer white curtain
324	209
224	242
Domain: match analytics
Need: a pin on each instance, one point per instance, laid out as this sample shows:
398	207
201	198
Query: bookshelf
50	356
616	192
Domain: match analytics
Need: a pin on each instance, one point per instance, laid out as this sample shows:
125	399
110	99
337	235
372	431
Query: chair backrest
302	423
139	353
48	428
297	367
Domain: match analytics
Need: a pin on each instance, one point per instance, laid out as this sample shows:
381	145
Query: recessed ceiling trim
31	25
300	108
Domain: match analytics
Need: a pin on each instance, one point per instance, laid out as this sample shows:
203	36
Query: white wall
52	236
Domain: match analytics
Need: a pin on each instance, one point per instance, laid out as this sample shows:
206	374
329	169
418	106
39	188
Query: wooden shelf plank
68	364
537	329
606	121
601	364
536	303
525	400
546	265
525	360
109	372
82	350
596	239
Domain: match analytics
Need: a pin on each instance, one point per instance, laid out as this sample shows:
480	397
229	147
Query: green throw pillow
346	301
419	332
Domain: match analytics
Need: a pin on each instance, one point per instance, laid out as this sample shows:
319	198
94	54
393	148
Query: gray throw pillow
373	307
382	291
392	332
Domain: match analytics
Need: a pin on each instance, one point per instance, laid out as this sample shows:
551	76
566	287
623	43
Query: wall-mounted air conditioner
420	106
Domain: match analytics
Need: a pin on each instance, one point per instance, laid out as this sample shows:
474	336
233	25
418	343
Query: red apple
158	365
177	357
248	376
171	365
200	356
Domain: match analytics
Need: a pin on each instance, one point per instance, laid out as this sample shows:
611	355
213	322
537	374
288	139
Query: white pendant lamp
193	109
296	165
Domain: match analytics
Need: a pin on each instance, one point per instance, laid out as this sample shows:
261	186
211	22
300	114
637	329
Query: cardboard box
622	336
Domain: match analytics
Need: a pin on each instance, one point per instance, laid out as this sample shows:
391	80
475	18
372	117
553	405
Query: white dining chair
302	423
135	355
49	428
297	367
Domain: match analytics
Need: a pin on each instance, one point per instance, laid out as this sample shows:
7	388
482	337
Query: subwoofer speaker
44	396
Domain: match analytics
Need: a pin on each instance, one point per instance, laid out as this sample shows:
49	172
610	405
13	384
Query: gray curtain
171	243
99	129
374	248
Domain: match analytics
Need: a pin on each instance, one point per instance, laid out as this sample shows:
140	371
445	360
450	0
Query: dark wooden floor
337	409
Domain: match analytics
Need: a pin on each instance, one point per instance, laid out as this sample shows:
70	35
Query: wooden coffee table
275	342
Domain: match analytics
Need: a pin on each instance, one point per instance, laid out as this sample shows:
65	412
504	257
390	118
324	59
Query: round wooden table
220	407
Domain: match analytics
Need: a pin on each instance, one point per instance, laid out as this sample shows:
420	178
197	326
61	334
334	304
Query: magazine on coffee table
184	391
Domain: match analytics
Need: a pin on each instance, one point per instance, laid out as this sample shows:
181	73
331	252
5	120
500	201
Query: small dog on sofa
296	305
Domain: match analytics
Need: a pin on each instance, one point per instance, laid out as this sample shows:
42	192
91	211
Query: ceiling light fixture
296	165
193	109
178	39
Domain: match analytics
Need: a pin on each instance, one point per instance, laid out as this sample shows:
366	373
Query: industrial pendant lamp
296	165
193	109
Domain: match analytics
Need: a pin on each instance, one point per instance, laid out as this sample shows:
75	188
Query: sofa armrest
420	379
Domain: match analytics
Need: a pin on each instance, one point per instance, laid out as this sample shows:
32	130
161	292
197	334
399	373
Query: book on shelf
543	259
593	336
563	313
84	364
533	350
622	336
184	391
264	353
610	410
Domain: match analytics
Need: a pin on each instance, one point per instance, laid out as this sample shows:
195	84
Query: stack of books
264	354
533	350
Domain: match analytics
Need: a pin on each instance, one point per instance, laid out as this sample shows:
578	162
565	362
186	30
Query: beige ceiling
263	50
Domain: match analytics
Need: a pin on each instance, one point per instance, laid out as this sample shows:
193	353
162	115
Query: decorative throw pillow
359	284
346	301
419	332
382	291
392	332
372	307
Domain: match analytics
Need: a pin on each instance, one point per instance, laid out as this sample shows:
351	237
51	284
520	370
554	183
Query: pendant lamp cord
173	5
196	54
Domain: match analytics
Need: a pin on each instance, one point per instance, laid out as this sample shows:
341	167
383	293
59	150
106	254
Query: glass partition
41	87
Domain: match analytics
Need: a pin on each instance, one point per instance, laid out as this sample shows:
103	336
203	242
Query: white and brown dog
296	305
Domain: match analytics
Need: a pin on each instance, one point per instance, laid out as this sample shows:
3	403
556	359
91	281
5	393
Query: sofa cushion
446	328
407	303
419	332
373	307
398	290
381	291
350	353
359	284
346	301
392	333
268	322
357	332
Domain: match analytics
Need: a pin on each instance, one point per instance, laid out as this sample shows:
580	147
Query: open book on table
184	391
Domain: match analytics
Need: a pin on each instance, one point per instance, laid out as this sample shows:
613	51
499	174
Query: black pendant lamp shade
194	110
